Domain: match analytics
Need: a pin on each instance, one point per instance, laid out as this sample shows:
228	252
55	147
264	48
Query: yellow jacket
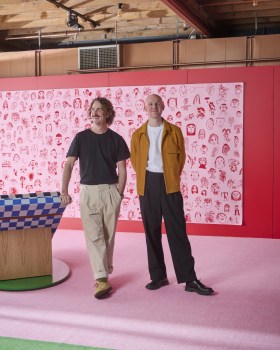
173	156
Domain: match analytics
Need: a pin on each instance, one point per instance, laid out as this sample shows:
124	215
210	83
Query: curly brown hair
107	106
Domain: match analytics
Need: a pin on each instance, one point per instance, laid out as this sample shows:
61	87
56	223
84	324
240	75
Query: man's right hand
65	198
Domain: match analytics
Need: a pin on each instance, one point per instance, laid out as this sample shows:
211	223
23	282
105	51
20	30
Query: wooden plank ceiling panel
25	23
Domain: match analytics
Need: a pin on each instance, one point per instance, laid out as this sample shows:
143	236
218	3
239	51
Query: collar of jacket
166	127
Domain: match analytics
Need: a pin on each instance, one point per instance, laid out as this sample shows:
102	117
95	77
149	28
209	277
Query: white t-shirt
154	157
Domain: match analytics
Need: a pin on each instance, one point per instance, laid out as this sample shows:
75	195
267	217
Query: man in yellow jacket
158	157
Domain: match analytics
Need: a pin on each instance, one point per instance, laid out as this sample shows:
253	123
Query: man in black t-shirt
102	155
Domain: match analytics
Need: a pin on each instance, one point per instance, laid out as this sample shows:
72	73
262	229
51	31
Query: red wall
261	137
276	178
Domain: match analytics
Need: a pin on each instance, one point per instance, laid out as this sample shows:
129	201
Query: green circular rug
61	272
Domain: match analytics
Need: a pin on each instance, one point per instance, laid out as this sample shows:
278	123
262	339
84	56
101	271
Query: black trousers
155	205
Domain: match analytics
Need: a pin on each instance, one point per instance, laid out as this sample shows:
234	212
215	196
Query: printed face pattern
36	128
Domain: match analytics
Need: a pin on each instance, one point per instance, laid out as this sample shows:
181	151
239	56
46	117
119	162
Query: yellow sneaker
102	289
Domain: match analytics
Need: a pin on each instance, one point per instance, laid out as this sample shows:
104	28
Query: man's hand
65	198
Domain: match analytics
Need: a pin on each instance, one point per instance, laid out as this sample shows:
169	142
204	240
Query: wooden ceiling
39	24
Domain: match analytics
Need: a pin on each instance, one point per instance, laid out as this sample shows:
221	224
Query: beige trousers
100	207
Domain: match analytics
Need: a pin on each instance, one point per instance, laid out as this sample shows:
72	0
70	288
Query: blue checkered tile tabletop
32	210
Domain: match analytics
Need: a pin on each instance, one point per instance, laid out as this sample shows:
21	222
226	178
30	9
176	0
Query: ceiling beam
193	14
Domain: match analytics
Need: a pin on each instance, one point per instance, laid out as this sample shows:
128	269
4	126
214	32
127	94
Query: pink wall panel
149	77
73	81
18	84
55	82
261	137
276	183
97	79
258	150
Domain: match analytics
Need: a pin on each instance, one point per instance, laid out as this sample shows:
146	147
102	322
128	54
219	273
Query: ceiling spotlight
120	6
186	26
72	21
255	2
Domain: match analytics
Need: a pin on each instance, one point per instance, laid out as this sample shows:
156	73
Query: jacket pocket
172	158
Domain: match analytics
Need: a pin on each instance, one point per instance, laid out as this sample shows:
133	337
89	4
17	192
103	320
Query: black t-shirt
98	155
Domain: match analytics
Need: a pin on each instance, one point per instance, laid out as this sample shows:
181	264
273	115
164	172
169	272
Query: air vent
99	57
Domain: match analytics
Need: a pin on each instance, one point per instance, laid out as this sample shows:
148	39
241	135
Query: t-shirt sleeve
74	148
124	152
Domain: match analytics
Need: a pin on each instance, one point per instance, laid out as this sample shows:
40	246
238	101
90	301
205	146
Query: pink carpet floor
245	313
